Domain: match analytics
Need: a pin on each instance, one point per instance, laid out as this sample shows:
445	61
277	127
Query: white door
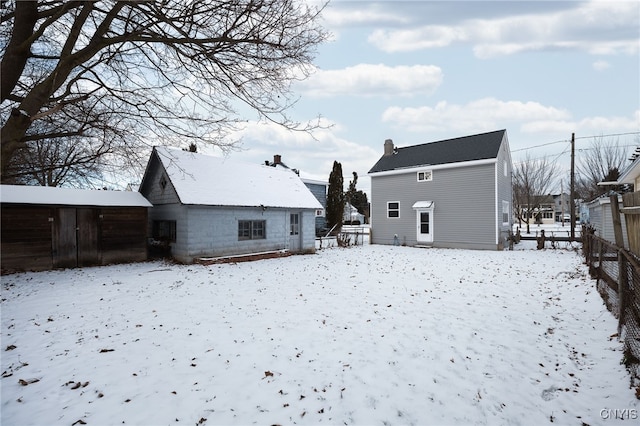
425	226
294	232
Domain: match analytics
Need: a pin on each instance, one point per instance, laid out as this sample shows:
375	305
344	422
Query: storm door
295	234
424	221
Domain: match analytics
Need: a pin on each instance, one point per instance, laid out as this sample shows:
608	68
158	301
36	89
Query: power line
581	137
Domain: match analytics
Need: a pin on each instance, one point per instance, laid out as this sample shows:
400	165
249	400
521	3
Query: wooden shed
44	227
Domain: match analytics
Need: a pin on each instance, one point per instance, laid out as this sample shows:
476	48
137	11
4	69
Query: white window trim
506	205
423	172
388	210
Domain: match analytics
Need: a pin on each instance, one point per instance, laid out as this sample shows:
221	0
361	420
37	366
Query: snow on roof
207	180
17	194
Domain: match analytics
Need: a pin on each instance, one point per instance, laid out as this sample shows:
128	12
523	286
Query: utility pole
572	205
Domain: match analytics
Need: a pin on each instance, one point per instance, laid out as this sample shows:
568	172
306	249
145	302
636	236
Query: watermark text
619	414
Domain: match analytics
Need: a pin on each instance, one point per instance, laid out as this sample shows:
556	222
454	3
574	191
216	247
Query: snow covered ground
369	335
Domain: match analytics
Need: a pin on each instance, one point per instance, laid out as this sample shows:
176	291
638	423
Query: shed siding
464	209
45	237
123	235
26	237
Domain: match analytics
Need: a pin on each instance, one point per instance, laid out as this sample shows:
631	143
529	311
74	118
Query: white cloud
313	154
595	27
367	80
476	116
417	39
601	65
360	16
538	121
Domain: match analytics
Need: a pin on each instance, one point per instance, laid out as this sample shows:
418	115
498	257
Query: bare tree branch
169	70
533	180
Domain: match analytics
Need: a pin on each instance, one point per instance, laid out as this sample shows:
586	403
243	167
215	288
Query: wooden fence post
622	289
617	223
600	255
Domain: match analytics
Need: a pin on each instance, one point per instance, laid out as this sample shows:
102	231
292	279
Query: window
393	209
164	230
505	212
425	176
252	230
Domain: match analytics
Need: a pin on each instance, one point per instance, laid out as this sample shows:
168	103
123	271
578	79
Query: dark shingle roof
467	148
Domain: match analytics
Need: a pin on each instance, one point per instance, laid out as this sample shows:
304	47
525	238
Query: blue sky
421	71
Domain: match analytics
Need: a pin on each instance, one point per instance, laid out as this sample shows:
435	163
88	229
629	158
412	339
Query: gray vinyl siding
464	207
504	174
320	192
601	218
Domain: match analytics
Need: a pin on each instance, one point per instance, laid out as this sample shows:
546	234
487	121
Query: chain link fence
617	274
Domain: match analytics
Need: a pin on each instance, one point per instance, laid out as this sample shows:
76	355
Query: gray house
451	193
205	207
317	188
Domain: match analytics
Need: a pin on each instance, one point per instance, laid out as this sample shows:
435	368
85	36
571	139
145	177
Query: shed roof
201	179
47	195
467	148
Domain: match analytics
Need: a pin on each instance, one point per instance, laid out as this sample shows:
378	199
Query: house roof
18	194
632	171
201	179
467	148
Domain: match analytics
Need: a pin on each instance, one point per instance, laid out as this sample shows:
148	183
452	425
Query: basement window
252	230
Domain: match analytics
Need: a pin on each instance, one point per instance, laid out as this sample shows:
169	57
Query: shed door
295	234
65	249
87	226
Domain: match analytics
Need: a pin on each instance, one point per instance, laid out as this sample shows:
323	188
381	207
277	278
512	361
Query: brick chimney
388	147
277	159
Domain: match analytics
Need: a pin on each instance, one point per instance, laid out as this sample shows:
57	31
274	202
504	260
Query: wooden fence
617	273
631	210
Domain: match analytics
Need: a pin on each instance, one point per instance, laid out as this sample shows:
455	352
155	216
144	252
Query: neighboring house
317	188
631	174
46	227
352	216
630	206
562	207
543	212
450	193
206	206
601	218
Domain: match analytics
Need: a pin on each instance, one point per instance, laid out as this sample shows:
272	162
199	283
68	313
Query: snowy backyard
368	335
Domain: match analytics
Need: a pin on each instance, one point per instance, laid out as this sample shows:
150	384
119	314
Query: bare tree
139	72
604	160
533	179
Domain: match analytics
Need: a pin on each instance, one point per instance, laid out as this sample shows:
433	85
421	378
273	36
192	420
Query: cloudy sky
422	71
